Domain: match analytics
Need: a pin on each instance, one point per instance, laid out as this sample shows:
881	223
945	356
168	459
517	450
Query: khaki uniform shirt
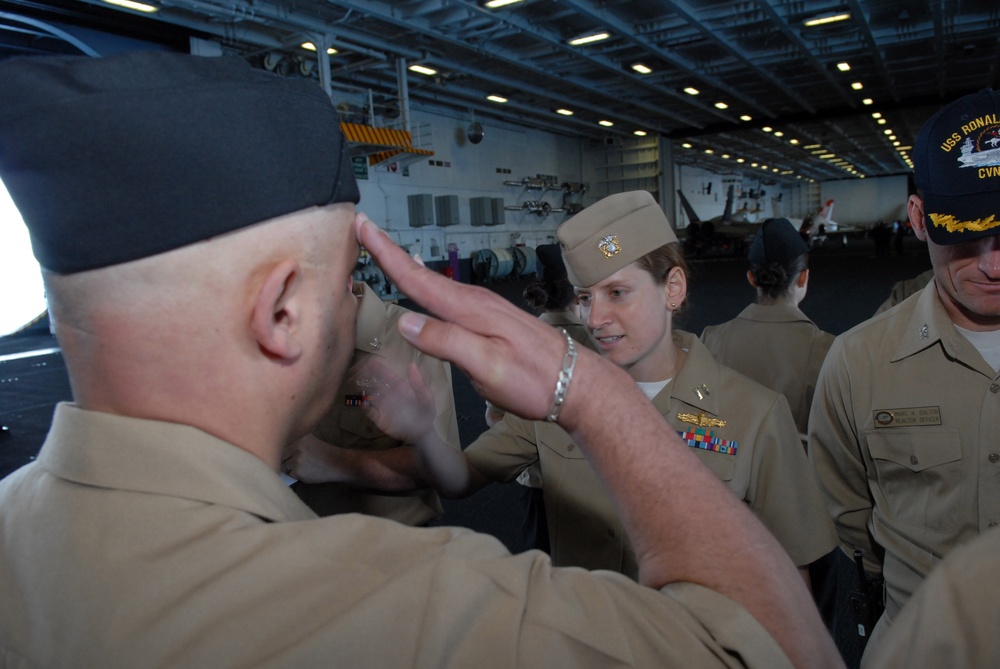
134	543
903	437
347	426
778	347
953	618
757	454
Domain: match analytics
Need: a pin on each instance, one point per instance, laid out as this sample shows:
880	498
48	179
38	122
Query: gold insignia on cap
701	420
609	246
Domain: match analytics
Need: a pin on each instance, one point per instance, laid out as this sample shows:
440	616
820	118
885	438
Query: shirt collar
774	313
928	325
696	382
372	320
156	457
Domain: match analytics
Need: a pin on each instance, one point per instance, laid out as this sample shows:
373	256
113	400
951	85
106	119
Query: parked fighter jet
730	232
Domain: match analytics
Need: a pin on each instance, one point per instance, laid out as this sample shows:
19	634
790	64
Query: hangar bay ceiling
736	85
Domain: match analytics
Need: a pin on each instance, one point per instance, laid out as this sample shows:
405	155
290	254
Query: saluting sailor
630	278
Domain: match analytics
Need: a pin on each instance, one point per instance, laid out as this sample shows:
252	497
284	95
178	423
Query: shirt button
993	523
571	447
995	387
611	534
994	457
913	460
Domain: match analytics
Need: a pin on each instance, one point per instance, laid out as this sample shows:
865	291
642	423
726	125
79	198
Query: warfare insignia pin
609	246
701	420
375	344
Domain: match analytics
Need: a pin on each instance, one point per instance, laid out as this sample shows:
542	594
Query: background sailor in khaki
904	425
154	530
348	427
772	341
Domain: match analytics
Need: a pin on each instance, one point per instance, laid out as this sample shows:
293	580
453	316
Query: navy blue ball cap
957	169
114	159
777	241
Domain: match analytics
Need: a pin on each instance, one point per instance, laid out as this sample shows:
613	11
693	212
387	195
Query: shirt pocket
723	465
918	477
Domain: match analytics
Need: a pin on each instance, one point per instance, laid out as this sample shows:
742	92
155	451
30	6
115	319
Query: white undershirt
987	343
652	389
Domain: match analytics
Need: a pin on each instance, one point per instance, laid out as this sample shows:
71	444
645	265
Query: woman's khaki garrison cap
611	234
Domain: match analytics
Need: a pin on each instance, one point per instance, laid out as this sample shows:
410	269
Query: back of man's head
191	214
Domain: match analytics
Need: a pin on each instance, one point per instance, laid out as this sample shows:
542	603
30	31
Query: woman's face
629	318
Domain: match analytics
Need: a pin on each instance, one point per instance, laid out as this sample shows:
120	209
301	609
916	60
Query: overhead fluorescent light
686	145
721	105
309	46
829	18
691	90
589	39
639	133
812	146
844	67
867	101
767	128
857	85
793	141
136	6
740	160
709	151
496	98
641	69
746	117
494	4
881	121
564	112
606	124
876	114
827	156
778	133
420	69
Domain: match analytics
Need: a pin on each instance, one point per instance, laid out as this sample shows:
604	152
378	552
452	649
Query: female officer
772	341
623	258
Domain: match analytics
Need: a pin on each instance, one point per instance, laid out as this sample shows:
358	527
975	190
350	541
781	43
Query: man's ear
277	317
753	281
915	212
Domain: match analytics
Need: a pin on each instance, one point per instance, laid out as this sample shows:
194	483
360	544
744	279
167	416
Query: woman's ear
277	318
676	287
802	279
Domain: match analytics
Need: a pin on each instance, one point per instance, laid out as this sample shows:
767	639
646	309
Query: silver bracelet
565	376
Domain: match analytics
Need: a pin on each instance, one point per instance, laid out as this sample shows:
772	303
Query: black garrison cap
776	241
114	159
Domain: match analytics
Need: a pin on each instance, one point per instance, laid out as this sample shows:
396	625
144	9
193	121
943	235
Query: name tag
907	417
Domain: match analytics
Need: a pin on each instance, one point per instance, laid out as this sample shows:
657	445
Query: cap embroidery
952	224
609	246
